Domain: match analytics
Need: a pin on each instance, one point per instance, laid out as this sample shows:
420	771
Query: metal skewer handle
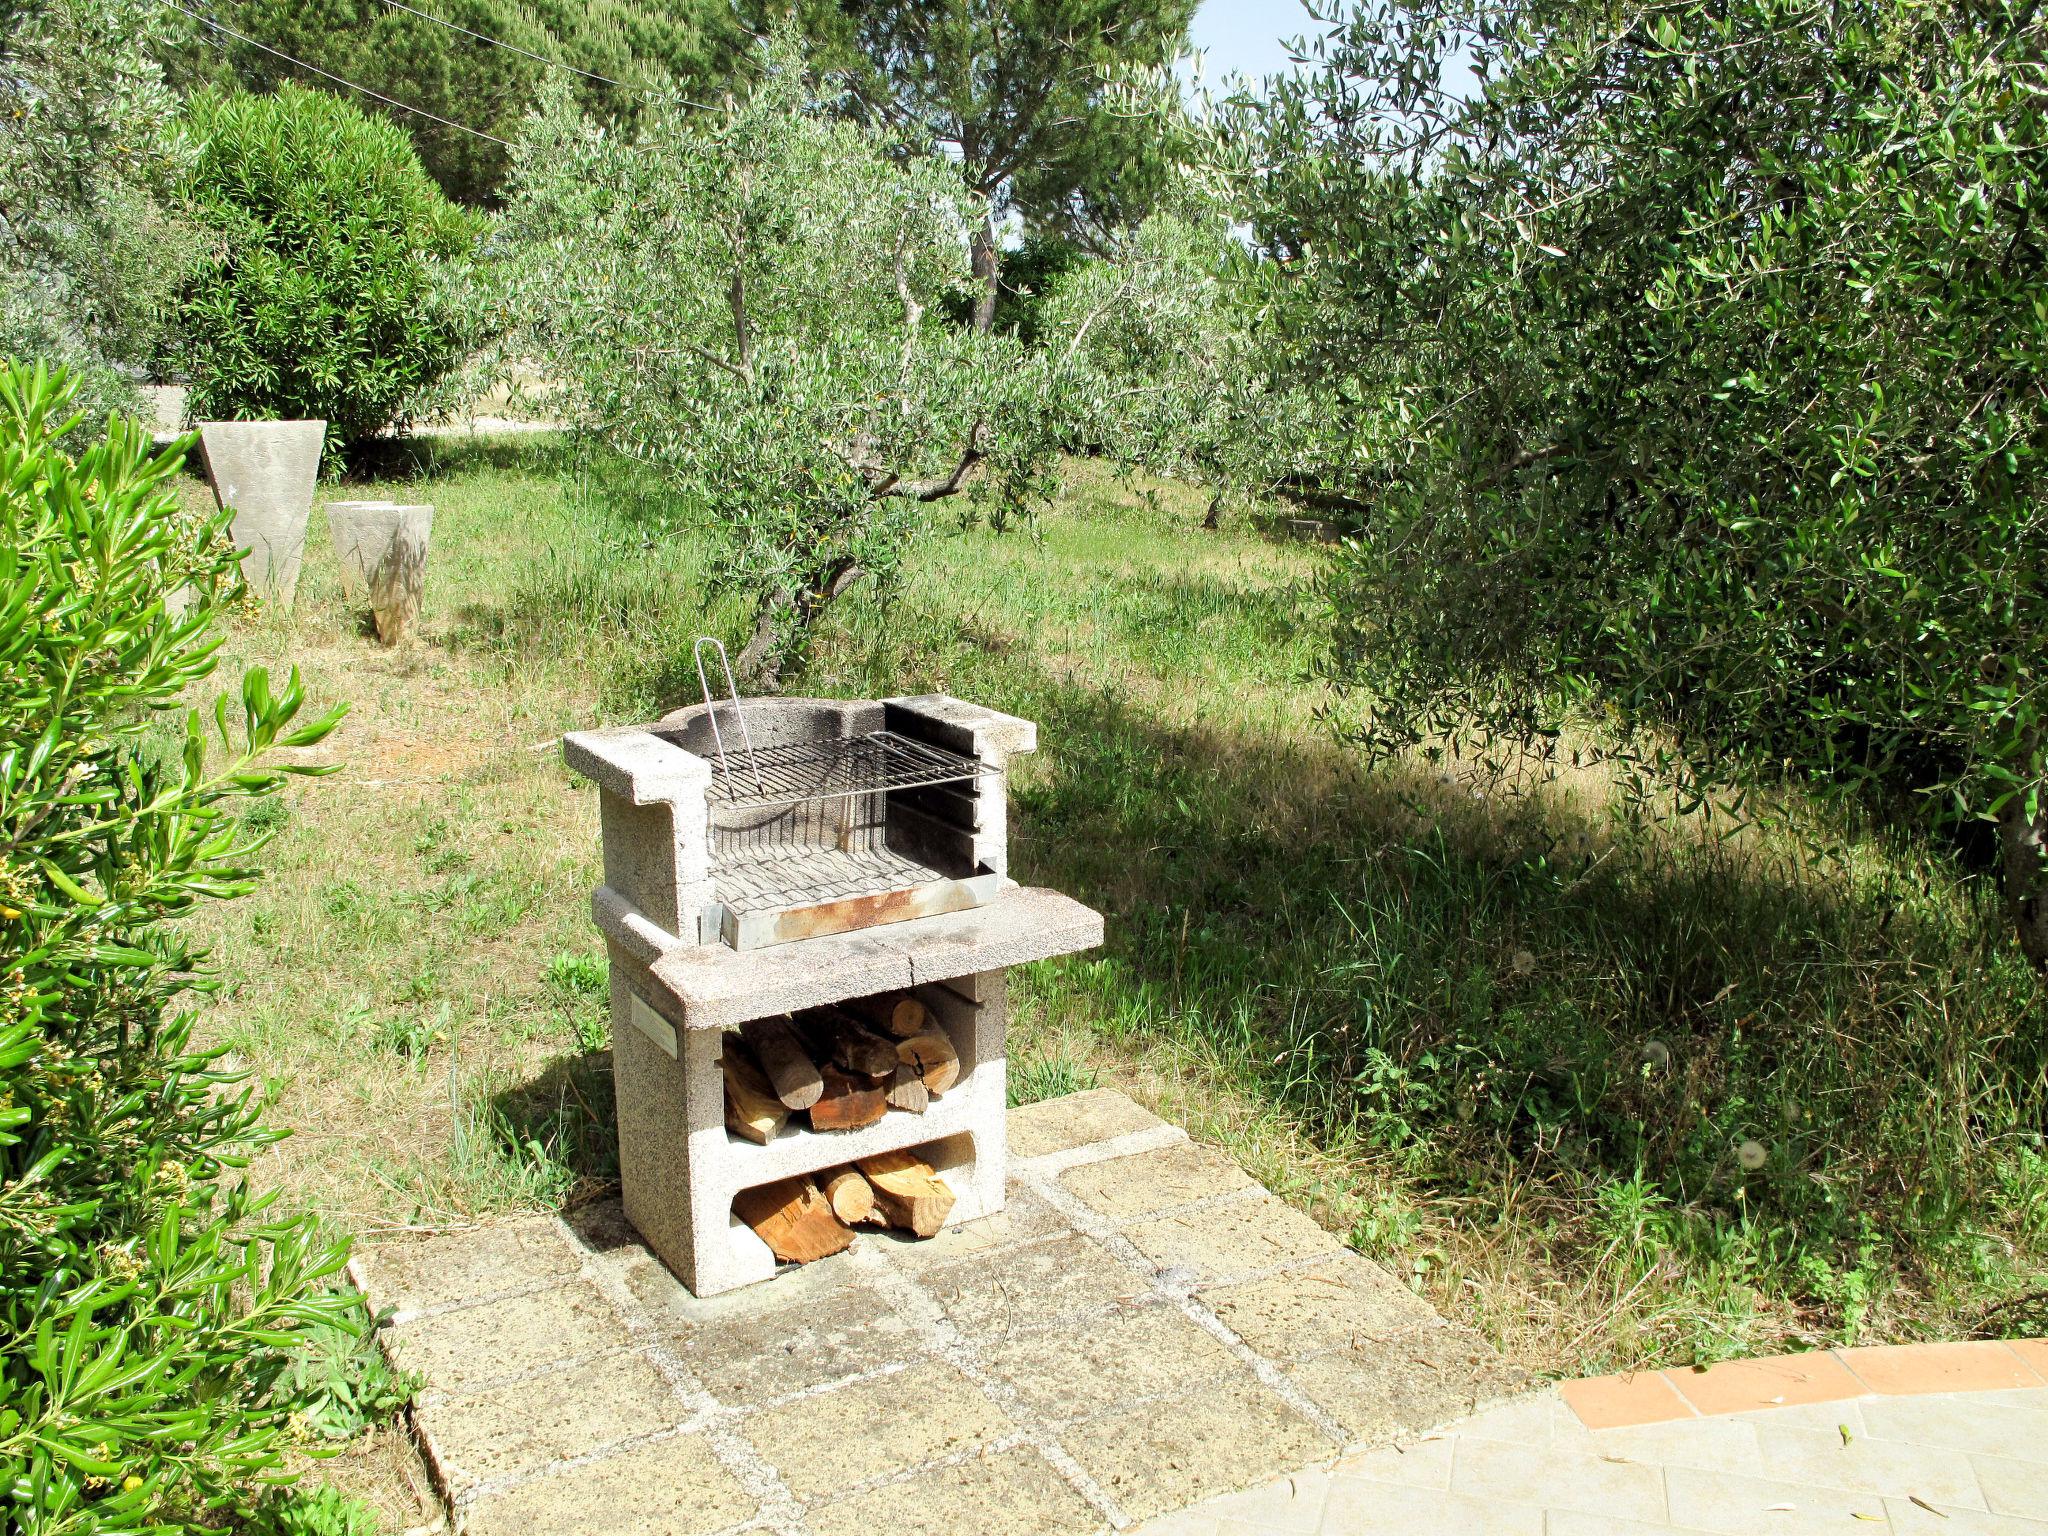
711	708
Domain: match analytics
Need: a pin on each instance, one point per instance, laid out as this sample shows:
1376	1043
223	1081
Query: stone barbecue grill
764	857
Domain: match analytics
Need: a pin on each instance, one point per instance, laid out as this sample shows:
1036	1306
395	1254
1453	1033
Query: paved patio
1923	1439
1144	1327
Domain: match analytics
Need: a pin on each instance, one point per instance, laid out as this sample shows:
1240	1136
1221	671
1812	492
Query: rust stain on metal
872	911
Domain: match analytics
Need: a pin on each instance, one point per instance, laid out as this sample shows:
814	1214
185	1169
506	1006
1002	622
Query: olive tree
1698	365
1163	363
92	245
747	300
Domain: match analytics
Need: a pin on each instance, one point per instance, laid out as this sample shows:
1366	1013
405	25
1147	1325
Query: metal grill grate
796	873
831	770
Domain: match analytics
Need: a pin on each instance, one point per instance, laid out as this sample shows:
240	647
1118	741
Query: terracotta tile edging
1813	1376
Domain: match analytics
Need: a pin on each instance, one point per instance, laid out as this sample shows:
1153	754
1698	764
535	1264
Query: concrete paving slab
2012	1487
494	1435
1158	1457
1384	1390
1731	1505
1014	1490
768	1355
1908	1464
1357	1505
409	1276
1897	1468
832	1442
1054	1368
993	1295
1138	1352
471	1347
1588	1485
1963	1424
1125	1188
1077	1120
1910	1519
1308	1311
1237	1238
672	1487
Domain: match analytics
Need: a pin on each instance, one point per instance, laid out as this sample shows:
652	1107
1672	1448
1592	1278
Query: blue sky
1243	36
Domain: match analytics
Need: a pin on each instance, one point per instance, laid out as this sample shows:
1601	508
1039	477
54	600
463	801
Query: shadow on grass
1769	1060
1702	1053
436	456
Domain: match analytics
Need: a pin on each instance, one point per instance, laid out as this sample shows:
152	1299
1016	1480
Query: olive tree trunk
987	259
2023	856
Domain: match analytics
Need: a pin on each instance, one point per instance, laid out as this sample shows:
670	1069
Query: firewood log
848	1102
794	1219
751	1108
907	1090
932	1057
907	1192
837	1036
852	1197
783	1058
896	1014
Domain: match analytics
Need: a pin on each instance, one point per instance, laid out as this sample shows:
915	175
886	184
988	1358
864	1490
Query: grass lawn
1615	1100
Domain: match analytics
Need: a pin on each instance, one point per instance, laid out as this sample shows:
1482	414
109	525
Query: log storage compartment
808	913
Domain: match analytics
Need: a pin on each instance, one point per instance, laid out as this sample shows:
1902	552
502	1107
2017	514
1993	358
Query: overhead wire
540	58
499	42
328	74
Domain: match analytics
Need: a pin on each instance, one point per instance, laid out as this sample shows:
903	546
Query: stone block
832	1441
757	1354
1225	1437
408	1275
381	548
1125	1188
1237	1238
1733	1505
1023	1218
264	471
1014	1490
1962	1423
1559	1479
1354	1504
462	1350
671	1487
1075	1120
2013	1488
1384	1390
502	1433
992	1295
1106	1363
1304	1312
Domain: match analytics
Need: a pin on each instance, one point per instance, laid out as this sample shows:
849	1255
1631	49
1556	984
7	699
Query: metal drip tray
787	891
782	875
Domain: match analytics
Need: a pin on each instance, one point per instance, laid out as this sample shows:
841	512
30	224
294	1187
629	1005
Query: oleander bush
151	1305
326	294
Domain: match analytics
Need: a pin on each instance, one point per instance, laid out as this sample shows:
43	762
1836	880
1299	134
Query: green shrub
322	1511
150	1304
324	295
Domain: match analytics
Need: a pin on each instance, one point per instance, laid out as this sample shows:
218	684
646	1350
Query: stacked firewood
843	1067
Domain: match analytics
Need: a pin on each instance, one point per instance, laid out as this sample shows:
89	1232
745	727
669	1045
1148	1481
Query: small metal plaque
653	1025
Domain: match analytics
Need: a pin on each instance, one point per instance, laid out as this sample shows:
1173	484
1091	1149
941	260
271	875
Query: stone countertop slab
708	986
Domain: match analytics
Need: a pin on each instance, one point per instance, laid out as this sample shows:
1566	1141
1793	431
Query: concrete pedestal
264	472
